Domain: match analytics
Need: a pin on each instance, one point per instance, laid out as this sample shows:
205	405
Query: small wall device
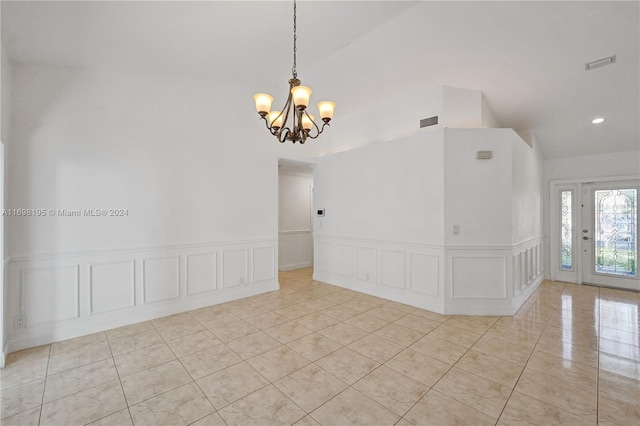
320	212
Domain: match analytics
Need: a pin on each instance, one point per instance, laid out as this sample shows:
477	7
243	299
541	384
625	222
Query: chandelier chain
295	42
302	126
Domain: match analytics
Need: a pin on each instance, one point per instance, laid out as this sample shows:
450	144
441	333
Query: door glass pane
616	231
566	261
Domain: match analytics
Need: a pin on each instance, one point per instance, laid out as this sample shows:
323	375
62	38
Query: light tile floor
312	353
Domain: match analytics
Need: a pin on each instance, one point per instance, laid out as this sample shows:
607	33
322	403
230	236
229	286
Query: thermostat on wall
321	212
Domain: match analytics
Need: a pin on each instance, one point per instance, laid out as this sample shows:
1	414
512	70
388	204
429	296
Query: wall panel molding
264	259
394	270
478	277
383	269
466	280
68	295
160	279
424	273
49	294
235	267
111	286
201	272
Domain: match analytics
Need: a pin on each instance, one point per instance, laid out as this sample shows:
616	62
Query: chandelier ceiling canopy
302	125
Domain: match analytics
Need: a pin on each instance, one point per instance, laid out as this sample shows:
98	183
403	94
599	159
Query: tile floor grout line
450	368
115	366
513	389
44	388
598	358
543	298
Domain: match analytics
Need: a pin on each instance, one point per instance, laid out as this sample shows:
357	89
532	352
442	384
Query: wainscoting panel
263	261
50	294
342	260
404	272
457	280
366	264
201	273
111	286
517	274
528	270
161	279
425	274
322	257
393	268
478	278
62	296
234	267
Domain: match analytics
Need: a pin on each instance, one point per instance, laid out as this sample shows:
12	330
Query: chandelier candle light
303	125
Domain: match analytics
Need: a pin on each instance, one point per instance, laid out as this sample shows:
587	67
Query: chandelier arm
294	131
321	130
273	131
283	134
286	109
300	130
316	127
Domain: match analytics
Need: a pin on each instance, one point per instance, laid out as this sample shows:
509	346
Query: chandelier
302	125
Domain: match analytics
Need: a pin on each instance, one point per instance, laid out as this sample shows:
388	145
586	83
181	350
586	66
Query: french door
610	235
595	237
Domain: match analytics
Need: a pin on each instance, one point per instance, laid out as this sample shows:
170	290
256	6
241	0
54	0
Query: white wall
388	191
201	225
461	108
487	116
478	192
295	243
5	95
383	229
161	148
527	191
584	169
399	117
390	212
5	136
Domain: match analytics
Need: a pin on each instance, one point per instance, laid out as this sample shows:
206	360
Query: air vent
600	63
431	121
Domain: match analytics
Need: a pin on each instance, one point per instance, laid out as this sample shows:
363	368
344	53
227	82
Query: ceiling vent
600	63
431	121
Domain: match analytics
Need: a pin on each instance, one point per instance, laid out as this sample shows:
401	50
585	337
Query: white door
609	235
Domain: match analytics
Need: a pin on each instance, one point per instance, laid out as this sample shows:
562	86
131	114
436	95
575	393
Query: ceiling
528	58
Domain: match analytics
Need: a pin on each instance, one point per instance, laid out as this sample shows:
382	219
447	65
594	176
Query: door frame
578	184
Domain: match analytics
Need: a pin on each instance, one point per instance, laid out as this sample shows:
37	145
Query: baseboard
490	308
404	296
103	322
521	298
294	266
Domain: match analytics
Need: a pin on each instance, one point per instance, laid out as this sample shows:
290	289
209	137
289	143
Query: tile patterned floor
312	354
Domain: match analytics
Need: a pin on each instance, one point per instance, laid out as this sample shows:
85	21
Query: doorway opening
295	220
595	235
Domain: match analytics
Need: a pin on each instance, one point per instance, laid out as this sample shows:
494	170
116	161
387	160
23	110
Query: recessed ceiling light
597	120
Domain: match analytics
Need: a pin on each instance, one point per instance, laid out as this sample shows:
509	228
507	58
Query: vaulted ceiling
528	58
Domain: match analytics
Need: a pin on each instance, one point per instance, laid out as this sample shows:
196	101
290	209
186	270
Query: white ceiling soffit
528	58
